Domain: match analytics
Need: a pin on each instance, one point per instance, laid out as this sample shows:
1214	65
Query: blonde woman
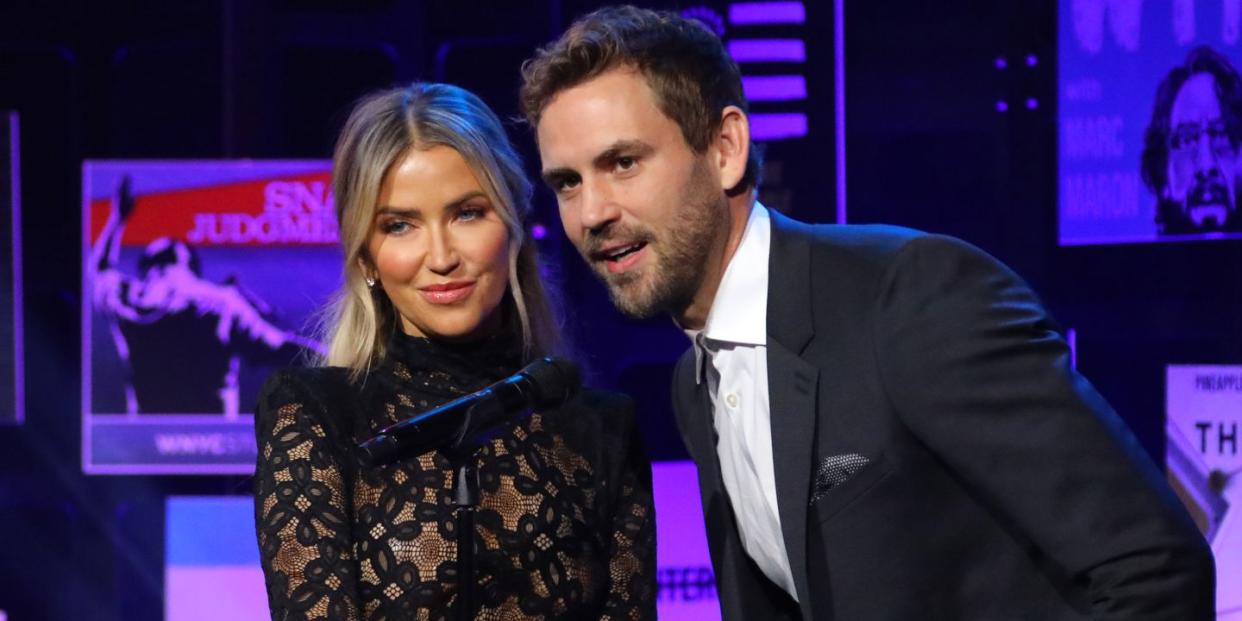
442	297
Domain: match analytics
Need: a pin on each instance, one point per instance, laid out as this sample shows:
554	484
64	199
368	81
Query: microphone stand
466	499
461	453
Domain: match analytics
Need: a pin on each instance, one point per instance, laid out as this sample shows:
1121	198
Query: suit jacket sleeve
976	369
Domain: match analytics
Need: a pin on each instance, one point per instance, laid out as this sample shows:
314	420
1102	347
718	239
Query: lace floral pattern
564	527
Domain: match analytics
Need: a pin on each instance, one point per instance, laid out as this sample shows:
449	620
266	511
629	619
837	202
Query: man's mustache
597	242
1208	191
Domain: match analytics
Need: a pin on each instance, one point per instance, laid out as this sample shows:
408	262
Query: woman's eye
470	213
394	227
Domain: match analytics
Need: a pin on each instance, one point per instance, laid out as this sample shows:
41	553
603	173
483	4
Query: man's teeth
621	252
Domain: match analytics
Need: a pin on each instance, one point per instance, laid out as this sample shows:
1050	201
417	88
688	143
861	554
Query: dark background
274	79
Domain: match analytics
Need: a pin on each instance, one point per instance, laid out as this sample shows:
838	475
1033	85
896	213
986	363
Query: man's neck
694	317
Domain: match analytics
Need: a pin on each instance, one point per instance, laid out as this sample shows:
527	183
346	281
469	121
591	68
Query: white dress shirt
734	340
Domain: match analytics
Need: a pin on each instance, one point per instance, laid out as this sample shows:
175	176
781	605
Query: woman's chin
459	327
458	334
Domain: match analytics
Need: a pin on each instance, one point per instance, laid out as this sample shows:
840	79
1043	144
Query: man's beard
1209	205
681	252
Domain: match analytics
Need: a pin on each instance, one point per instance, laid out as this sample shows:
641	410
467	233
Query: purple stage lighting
776	126
708	17
774	88
838	52
1032	103
1032	60
1071	339
767	50
539	231
1000	63
1002	106
749	13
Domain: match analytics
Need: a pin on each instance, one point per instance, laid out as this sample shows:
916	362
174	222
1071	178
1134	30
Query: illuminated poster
1150	120
11	356
1204	406
198	279
212	568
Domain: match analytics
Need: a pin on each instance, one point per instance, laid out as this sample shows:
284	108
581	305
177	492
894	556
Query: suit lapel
792	386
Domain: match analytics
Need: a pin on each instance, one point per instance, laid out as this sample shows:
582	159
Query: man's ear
732	146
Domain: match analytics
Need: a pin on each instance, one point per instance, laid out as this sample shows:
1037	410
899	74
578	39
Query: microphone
544	383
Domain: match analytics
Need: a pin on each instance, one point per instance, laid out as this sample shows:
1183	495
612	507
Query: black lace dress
565	522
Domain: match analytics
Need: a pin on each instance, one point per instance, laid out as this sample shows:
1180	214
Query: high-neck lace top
564	527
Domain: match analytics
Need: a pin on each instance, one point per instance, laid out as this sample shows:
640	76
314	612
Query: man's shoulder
870	239
869	247
853	255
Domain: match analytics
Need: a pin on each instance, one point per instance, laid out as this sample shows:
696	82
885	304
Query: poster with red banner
199	279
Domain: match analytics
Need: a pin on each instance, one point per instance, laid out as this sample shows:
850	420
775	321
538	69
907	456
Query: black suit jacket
1000	485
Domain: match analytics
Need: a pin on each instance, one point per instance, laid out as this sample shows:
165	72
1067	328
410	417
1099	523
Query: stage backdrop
1204	405
212	568
1150	114
198	279
11	357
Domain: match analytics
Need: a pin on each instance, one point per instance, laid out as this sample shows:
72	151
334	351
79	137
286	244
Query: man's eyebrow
554	176
605	159
619	149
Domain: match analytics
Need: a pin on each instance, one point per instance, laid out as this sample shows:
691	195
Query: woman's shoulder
301	384
602	426
598	400
605	411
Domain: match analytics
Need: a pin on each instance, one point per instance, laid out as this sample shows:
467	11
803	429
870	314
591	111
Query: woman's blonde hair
382	128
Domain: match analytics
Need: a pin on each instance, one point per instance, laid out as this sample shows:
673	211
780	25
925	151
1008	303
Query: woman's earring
370	282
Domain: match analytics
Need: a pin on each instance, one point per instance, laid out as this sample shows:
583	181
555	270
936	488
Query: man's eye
626	163
563	185
1183	138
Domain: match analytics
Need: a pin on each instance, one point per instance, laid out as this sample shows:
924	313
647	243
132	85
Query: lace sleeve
632	549
300	508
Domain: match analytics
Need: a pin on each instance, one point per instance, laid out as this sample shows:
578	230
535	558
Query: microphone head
555	381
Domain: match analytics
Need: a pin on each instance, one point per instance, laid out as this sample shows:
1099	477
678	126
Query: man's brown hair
686	66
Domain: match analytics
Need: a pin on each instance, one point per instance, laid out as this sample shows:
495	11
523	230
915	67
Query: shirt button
731	399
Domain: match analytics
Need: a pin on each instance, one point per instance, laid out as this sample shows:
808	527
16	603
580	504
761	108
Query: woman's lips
447	293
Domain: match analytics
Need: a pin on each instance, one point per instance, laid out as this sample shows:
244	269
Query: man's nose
599	207
1206	162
